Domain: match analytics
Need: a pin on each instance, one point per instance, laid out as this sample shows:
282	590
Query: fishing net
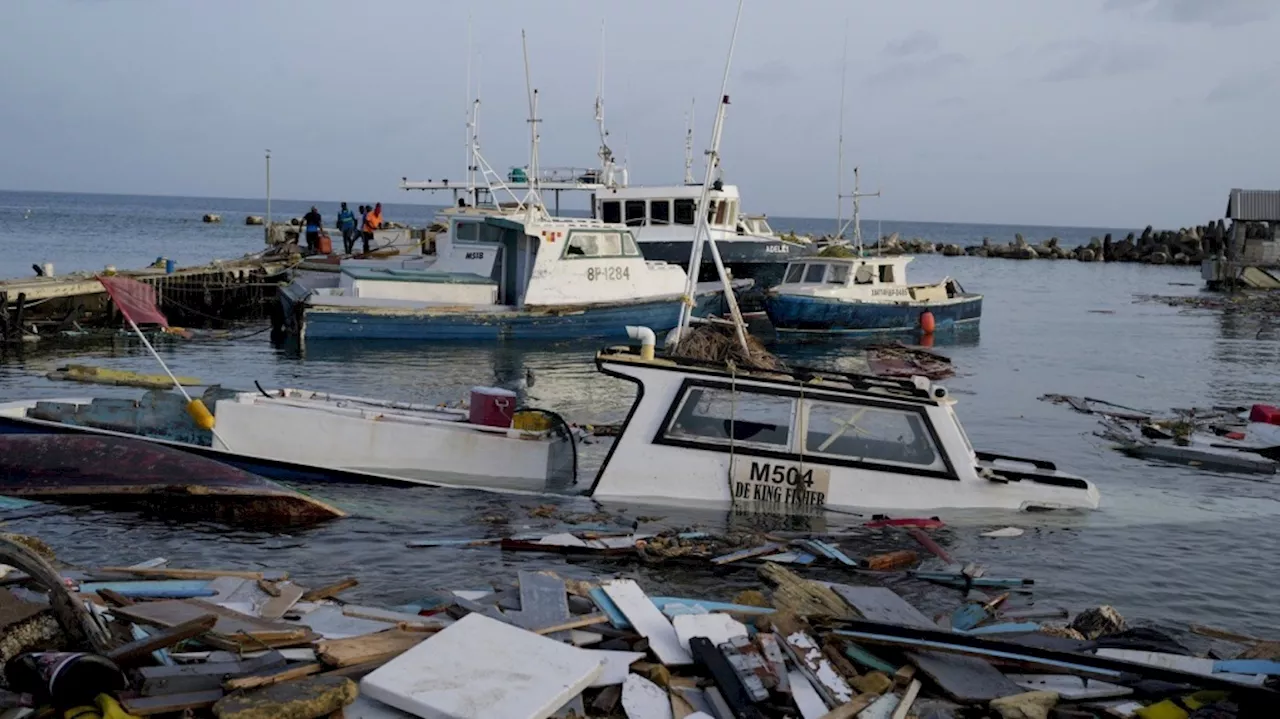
719	344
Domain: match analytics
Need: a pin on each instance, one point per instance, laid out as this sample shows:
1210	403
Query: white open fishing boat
805	439
303	436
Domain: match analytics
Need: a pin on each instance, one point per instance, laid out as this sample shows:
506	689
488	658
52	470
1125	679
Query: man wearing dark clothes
313	223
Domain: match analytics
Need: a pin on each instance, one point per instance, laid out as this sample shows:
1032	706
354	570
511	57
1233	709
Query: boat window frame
634	212
791	426
787	279
684	204
623	239
605	208
800	425
472	225
833	269
808	271
666	213
807	408
885	273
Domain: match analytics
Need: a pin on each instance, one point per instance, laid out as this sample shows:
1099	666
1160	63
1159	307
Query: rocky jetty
1186	246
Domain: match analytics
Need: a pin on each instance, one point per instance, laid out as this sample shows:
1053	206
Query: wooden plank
807	699
116	600
368	648
330	591
439	621
648	621
543	604
576	623
479	667
126	655
741	554
881	604
966	679
171	703
278	605
189	678
232	630
255	681
810	660
908	698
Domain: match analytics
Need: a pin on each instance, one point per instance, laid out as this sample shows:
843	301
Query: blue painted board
1246	666
154	589
1005	628
606	605
662	602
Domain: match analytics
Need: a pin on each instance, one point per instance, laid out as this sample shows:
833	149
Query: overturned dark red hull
132	473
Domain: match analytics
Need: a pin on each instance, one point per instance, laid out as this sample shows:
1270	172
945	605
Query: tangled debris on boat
1225	439
823	639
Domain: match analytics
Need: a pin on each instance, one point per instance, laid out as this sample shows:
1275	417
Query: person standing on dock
372	221
313	223
347	224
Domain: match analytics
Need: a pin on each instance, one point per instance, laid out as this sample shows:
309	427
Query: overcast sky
1074	112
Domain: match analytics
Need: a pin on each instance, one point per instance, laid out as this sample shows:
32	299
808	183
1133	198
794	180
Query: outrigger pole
703	227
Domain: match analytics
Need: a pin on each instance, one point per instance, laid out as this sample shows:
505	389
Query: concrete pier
208	295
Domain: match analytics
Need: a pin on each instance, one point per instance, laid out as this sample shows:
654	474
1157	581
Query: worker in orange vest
372	221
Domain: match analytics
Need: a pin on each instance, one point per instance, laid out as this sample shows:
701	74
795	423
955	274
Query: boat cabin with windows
804	439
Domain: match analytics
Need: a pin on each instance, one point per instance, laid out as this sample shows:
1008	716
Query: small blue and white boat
545	278
851	295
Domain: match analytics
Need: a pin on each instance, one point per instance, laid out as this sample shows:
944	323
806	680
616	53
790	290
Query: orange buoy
926	322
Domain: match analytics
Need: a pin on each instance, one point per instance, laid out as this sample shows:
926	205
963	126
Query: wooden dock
209	295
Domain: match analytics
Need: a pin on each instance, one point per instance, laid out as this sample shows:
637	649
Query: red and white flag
136	300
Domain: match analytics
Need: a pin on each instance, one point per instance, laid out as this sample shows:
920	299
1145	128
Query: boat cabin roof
669	192
846	271
875	260
917	390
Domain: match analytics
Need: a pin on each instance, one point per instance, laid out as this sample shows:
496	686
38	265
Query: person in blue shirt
313	223
347	224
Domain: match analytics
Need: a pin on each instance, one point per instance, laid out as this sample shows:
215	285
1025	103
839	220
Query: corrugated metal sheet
1254	205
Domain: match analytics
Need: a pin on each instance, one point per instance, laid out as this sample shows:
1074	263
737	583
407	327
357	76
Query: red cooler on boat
492	406
1260	413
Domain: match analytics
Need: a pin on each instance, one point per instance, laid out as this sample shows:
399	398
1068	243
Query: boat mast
532	197
605	154
467	109
844	70
857	206
703	229
688	143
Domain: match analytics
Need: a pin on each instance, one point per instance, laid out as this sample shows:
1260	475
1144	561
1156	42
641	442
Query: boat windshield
794	273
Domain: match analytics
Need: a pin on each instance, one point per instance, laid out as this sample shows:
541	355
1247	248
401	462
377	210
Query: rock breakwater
1186	246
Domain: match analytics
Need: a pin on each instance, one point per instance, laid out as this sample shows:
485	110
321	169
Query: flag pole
196	408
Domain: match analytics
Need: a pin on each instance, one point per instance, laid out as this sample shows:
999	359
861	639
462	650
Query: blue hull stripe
791	313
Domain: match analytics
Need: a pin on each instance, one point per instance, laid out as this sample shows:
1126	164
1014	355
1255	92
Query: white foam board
480	668
648	621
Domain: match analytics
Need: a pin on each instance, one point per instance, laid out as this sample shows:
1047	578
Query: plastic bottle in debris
64	679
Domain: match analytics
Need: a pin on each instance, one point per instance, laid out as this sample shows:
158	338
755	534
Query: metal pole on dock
268	194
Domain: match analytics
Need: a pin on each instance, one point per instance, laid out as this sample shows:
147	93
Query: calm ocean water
1170	545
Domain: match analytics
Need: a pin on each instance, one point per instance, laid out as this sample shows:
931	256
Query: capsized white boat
304	436
808	439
